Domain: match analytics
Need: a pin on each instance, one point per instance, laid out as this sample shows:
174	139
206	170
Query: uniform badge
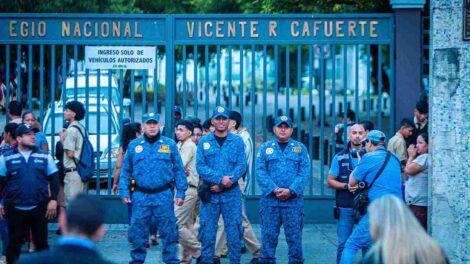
269	151
206	146
164	149
283	118
139	148
297	149
220	109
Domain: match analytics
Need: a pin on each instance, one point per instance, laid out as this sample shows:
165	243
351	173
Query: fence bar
240	100
299	92
206	97
287	80
310	115
356	84
196	84
155	84
75	76
322	121
265	100
87	96
253	97
144	91
276	80
218	76
98	125
230	88
333	100
132	96
379	103
52	116
7	79
392	96
41	83
184	81
121	99
64	73
345	94
18	74
30	77
368	84
110	147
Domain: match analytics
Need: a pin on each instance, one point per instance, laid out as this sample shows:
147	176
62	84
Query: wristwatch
346	186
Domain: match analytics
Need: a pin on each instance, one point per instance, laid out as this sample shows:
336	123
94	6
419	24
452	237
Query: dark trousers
421	213
19	224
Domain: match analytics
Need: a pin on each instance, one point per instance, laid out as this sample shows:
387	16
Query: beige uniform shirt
188	156
73	141
397	146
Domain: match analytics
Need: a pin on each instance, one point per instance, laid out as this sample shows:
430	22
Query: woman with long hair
416	187
399	238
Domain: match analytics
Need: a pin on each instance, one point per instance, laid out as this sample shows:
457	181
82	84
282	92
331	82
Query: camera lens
361	185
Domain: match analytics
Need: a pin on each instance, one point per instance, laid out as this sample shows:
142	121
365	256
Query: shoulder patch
297	149
206	146
138	148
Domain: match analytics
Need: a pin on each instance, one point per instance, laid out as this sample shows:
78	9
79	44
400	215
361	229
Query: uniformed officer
31	183
153	165
220	161
342	165
282	168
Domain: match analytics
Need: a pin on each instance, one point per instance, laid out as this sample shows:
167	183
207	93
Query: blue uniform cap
283	119
178	109
375	136
220	111
150	116
23	129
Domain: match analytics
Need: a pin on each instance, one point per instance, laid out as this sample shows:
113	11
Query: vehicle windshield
92	91
92	128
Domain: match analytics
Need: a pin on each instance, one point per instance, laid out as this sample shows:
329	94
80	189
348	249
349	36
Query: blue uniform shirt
389	182
152	166
213	162
334	169
282	169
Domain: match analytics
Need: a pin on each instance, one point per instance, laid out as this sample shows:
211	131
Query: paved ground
319	244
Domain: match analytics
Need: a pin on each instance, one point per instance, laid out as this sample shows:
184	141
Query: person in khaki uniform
186	214
249	237
73	141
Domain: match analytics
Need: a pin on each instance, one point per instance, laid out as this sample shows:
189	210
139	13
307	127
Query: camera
362	185
361	152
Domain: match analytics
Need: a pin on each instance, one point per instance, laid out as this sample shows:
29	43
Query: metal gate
311	67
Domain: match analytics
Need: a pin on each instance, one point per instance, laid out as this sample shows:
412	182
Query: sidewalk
319	244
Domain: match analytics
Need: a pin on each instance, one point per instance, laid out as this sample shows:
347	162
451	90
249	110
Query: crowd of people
191	190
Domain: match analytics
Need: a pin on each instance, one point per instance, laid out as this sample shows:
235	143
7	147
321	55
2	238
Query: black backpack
86	164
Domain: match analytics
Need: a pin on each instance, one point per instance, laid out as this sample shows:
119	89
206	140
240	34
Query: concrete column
450	131
408	56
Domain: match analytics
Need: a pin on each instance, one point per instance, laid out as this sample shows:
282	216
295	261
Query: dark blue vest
26	183
344	197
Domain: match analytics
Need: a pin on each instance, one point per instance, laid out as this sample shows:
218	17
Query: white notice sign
115	57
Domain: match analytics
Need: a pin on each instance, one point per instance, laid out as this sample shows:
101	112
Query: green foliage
194	6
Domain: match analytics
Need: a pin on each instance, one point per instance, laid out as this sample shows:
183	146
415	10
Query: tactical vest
344	197
26	183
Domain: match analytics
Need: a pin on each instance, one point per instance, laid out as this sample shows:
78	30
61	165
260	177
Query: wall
450	130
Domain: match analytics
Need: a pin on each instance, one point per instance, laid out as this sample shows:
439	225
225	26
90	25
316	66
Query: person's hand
352	189
114	189
61	134
51	209
2	211
411	151
227	181
283	194
186	169
358	157
216	188
126	200
179	201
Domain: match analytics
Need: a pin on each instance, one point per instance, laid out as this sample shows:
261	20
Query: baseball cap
283	119
150	116
375	136
23	129
220	111
178	109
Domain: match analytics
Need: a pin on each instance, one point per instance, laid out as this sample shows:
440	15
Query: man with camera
377	174
342	165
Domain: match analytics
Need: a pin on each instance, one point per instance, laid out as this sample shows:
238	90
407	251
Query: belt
162	188
70	170
235	184
192	186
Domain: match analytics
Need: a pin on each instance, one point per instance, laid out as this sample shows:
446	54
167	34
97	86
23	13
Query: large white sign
115	57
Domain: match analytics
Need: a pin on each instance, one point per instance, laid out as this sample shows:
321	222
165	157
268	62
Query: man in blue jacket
221	161
151	168
282	169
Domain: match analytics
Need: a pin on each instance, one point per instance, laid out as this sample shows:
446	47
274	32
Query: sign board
120	57
466	19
